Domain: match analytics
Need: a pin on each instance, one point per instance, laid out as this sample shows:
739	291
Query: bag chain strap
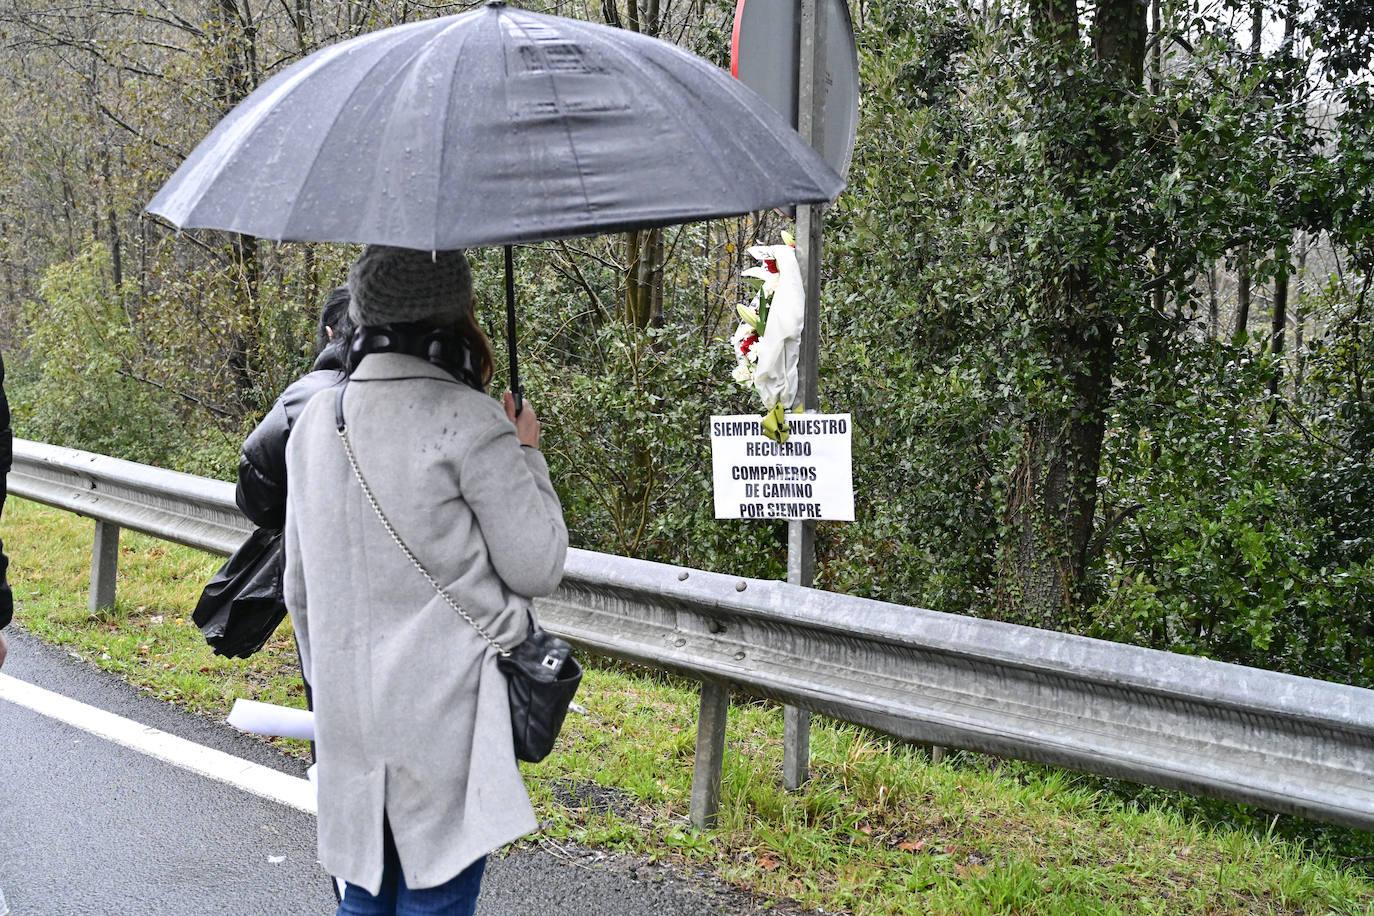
372	500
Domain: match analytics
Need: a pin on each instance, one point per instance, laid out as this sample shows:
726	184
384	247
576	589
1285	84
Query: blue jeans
456	897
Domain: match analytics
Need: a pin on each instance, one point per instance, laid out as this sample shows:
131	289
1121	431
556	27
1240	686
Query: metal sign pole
801	536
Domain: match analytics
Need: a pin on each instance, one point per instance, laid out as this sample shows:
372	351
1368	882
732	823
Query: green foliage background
1234	516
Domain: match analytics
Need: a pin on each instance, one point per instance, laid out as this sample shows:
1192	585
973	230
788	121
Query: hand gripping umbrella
492	127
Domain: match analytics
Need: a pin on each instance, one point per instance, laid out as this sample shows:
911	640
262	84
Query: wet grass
878	829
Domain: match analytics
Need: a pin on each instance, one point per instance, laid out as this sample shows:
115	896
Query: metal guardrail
1283	743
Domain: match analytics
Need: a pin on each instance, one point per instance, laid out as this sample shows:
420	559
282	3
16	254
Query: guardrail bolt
682	577
679	642
741	585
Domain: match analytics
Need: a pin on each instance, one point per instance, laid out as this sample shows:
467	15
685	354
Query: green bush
74	387
1217	544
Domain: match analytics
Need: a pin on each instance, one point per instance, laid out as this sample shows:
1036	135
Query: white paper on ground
269	719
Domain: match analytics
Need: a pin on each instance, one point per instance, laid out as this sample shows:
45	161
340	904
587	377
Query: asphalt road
89	827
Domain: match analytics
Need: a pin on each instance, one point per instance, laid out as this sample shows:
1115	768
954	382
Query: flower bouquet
767	344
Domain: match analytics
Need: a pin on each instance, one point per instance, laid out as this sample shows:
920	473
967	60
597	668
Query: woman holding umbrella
493	127
418	779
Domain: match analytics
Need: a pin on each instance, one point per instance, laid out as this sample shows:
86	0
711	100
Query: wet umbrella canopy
492	127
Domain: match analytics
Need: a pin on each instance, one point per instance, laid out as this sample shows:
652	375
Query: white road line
254	778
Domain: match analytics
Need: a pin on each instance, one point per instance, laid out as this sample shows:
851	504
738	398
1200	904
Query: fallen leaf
866	829
912	845
769	863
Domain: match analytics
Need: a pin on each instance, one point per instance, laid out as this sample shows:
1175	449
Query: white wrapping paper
269	719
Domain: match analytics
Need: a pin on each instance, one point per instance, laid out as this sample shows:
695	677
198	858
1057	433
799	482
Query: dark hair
478	346
334	314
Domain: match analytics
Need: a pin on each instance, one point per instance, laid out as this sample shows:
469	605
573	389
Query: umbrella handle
516	391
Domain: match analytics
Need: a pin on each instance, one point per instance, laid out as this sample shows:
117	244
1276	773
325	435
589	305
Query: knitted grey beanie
396	285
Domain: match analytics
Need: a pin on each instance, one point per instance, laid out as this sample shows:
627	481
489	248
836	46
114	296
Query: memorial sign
807	478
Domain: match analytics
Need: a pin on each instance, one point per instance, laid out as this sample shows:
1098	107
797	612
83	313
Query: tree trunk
1054	491
232	39
1213	306
1119	33
1242	293
656	278
1157	49
243	345
112	221
1278	320
636	300
1055	22
1299	320
311	271
1054	488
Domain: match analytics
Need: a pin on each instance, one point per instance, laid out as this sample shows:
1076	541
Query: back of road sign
765	53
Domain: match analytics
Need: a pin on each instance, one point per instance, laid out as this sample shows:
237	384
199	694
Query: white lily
771	279
749	314
777	352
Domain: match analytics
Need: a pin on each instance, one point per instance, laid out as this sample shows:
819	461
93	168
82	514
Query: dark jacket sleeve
6	460
261	493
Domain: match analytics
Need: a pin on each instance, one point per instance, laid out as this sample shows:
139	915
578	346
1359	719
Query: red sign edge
734	40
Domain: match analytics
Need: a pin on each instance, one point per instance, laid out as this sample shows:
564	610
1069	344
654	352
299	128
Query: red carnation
747	344
771	264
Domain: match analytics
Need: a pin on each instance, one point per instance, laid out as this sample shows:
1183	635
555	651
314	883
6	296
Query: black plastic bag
243	604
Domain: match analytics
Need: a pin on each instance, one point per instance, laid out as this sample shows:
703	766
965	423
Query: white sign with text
807	478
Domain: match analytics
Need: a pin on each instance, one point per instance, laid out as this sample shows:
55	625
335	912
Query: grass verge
879	829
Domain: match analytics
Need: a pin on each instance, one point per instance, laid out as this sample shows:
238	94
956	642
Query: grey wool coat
411	713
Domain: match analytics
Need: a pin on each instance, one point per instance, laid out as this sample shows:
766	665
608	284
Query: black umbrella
492	127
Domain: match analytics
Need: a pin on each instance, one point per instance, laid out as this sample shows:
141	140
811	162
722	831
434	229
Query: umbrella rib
348	100
567	130
255	119
443	131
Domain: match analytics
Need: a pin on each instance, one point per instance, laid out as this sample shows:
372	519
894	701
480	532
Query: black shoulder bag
541	672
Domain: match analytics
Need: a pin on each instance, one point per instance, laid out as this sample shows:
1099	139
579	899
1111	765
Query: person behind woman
417	774
261	493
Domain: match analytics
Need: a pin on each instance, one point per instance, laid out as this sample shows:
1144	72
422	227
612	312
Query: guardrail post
710	758
796	748
104	564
